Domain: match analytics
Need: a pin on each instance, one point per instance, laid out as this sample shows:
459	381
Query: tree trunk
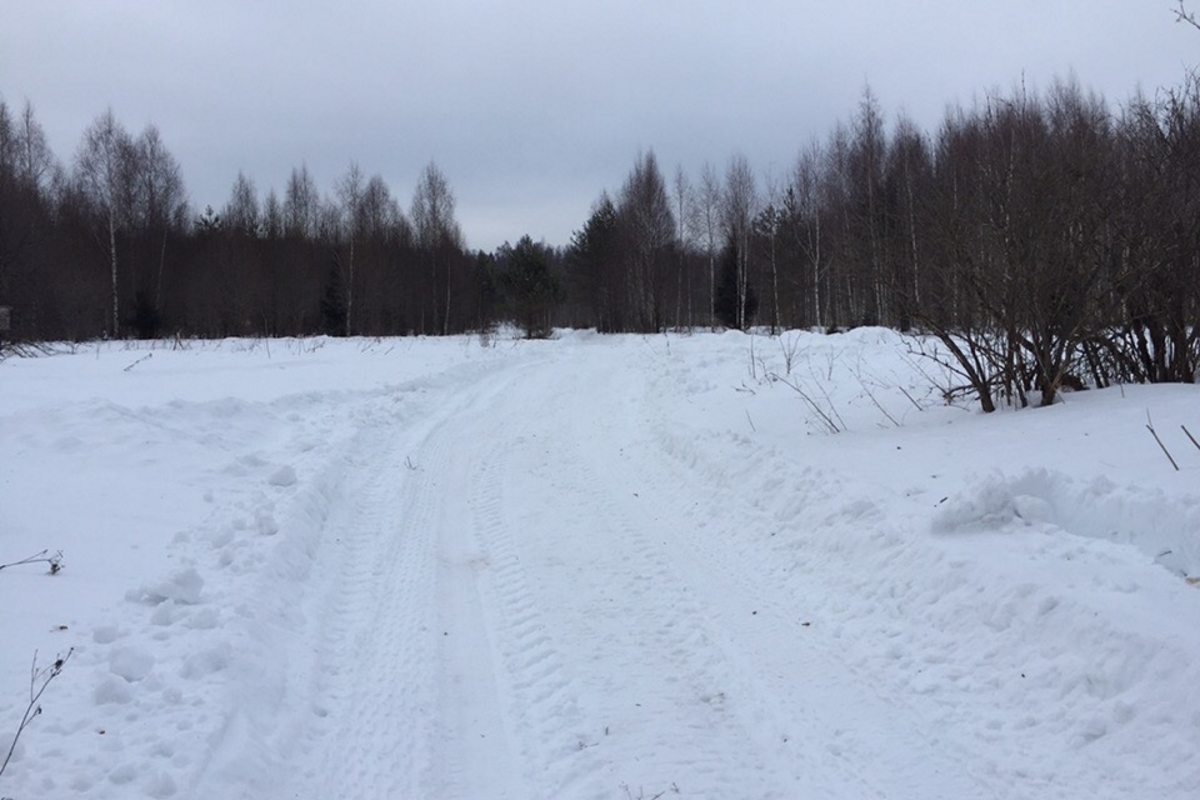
446	318
112	250
774	284
162	260
350	289
712	288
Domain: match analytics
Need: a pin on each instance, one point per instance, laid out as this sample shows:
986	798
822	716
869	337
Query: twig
813	406
45	675
55	561
829	400
751	422
878	405
140	360
753	373
1150	427
789	351
1183	15
904	392
1189	435
641	795
871	396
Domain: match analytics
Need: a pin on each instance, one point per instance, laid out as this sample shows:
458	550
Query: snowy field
594	567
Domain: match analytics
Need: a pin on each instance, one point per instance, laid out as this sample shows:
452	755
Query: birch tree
709	213
739	203
33	159
160	203
350	190
301	205
438	236
100	169
648	228
683	198
241	213
807	226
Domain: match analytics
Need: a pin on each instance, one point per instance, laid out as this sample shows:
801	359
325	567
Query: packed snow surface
710	566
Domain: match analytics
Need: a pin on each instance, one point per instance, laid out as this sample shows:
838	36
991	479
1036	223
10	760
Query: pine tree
530	288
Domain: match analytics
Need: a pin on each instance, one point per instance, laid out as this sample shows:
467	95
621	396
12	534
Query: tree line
1049	239
108	246
1046	239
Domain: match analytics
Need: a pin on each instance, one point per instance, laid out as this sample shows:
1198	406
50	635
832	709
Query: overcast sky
532	107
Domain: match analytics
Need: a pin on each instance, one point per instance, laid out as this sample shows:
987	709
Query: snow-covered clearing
595	567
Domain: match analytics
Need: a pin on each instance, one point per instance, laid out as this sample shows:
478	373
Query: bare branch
1189	435
1150	427
827	417
39	680
1183	15
55	561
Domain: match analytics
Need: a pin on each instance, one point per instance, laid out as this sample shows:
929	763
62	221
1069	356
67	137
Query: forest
1049	240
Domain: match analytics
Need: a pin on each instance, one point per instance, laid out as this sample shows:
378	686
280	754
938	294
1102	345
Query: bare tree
810	211
380	213
241	212
909	167
1158	159
709	212
301	205
244	289
683	197
34	160
8	142
160	198
272	216
383	242
739	204
350	190
100	168
648	228
438	237
866	161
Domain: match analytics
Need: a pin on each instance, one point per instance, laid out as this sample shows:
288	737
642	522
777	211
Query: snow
593	567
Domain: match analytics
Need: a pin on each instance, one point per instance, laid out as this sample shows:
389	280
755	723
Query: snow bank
1161	527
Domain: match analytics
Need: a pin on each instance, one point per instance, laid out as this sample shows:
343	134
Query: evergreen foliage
529	288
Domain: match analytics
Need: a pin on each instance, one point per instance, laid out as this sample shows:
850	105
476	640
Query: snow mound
182	587
1162	528
284	476
131	663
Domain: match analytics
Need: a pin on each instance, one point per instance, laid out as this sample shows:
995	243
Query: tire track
385	696
381	727
546	724
656	703
683	716
879	741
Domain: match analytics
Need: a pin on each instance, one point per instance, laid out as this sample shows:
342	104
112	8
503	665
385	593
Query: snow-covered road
591	568
527	598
